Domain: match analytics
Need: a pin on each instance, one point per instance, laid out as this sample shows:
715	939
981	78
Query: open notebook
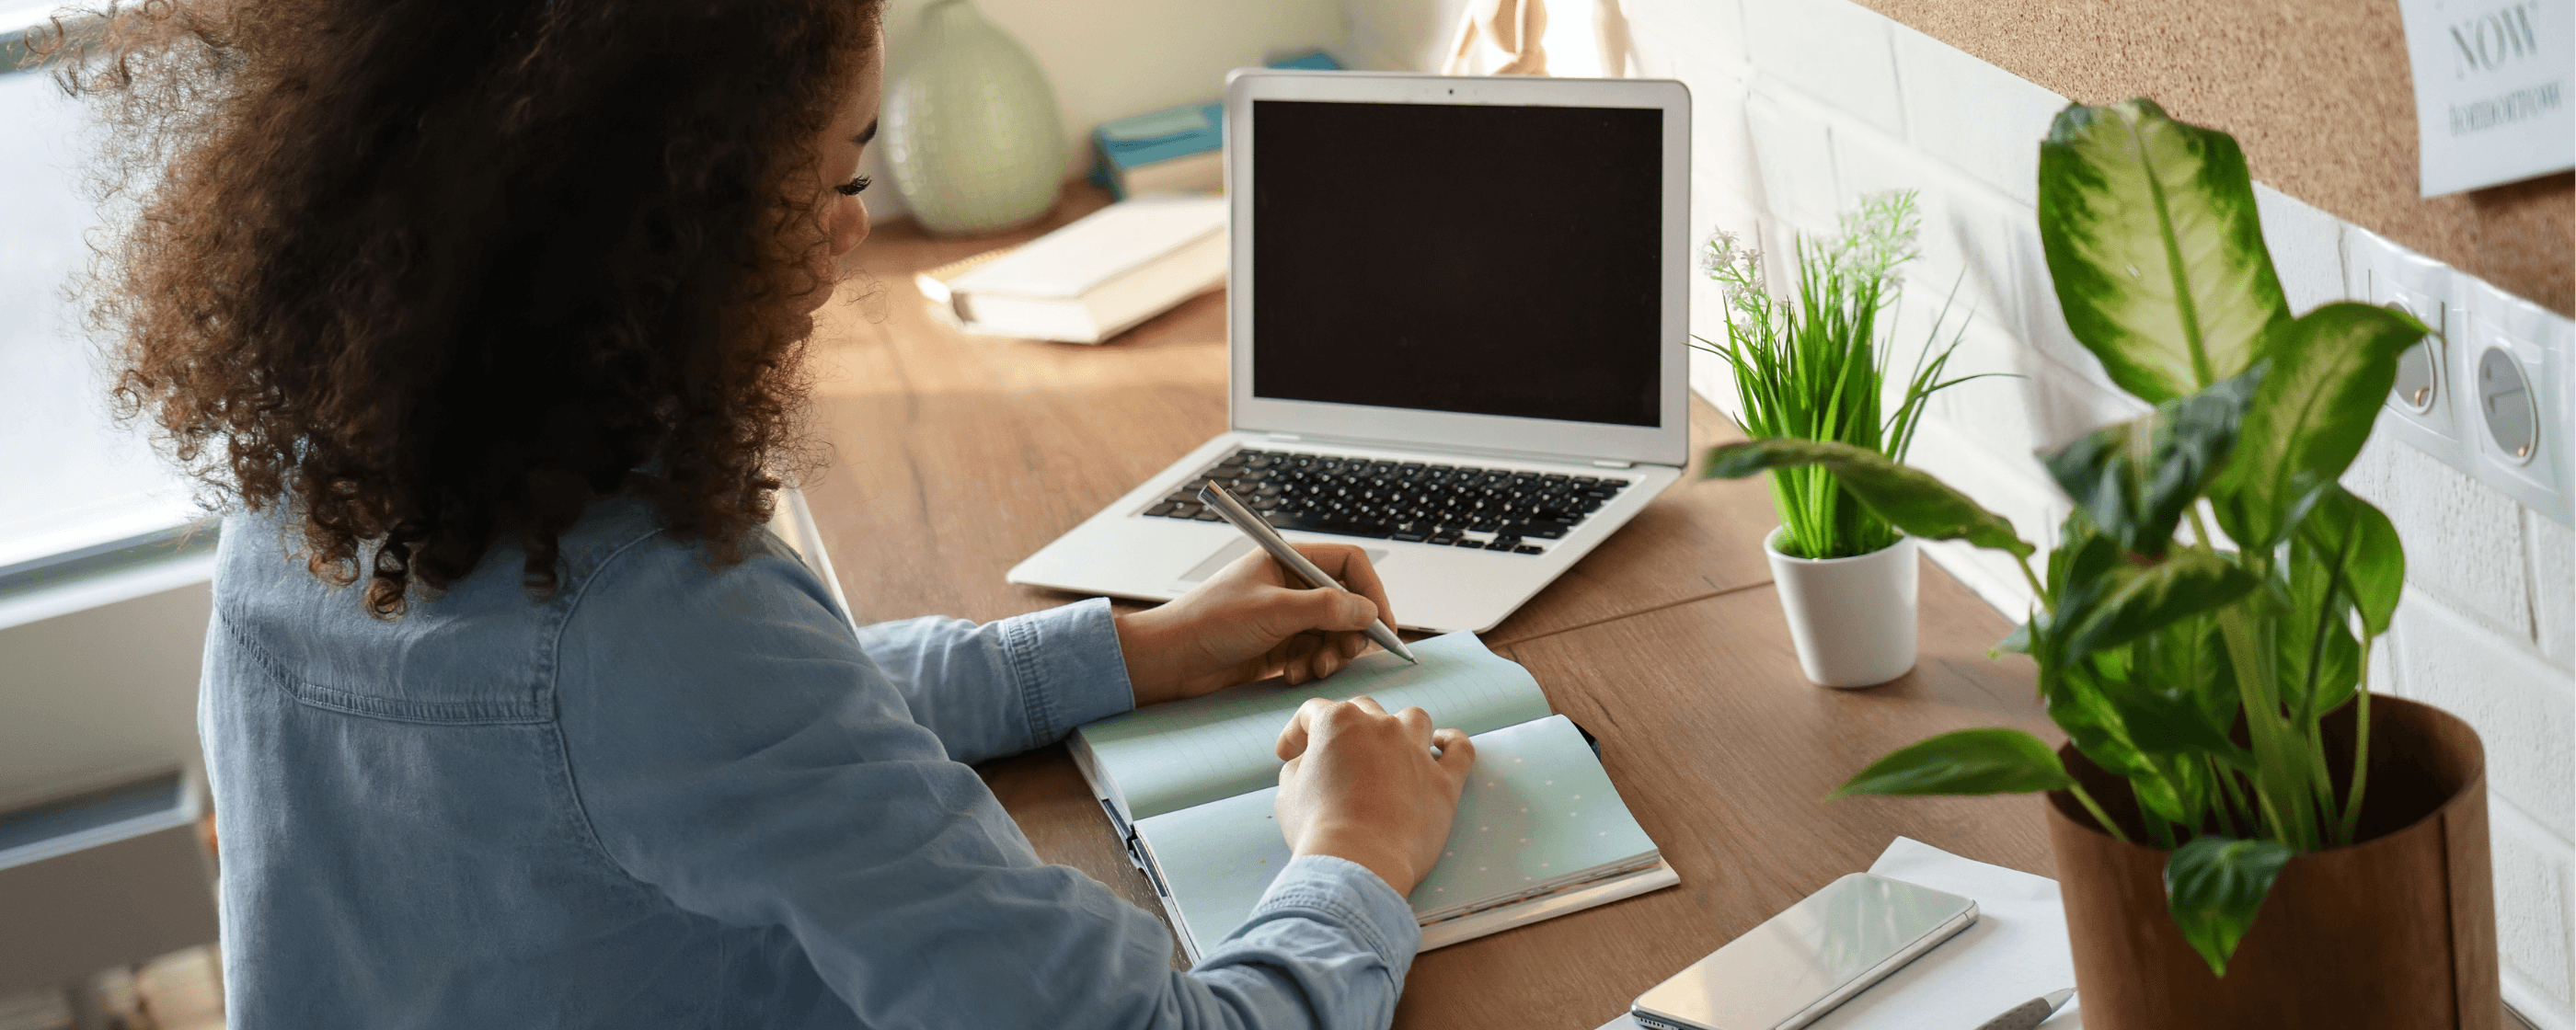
1540	831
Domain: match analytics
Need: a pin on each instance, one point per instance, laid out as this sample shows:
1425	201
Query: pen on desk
2030	1013
1228	508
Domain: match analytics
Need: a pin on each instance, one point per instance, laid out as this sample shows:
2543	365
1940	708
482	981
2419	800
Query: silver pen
1228	508
2030	1013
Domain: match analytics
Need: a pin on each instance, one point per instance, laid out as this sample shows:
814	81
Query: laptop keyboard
1495	509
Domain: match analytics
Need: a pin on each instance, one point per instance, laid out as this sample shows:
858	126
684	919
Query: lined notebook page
1538	813
1185	753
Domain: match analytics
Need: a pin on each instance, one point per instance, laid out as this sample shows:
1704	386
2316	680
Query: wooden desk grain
954	457
1724	752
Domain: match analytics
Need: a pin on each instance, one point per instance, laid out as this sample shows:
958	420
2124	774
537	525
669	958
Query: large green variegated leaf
2195	787
2344	558
2188	659
2015	642
2121	731
2076	703
2215	886
2083	562
2155	247
1908	498
2331	370
2134	479
2345	529
2164	717
1992	760
2183	586
2320	662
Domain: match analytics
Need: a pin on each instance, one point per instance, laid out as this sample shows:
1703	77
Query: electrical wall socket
2490	392
2510	390
2420	411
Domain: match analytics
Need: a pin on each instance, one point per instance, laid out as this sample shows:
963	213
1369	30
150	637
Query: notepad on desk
1540	830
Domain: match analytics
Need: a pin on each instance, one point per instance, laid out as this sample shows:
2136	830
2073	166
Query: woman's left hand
1248	623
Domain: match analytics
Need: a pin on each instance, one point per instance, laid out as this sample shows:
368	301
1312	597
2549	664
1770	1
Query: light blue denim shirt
674	794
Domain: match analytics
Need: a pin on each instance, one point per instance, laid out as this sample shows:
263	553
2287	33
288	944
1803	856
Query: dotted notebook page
1537	807
1172	756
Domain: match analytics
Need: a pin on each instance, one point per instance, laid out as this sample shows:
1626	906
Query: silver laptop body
1459	313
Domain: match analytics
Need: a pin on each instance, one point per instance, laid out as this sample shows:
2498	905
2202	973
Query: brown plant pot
2396	931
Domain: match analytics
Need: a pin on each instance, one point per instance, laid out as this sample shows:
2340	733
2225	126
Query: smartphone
1797	966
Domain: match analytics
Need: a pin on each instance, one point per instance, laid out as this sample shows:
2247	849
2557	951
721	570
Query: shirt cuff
1068	666
1343	893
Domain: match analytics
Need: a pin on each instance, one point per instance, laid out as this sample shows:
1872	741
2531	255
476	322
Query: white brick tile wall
1966	228
1993	411
2010	485
2463	539
2066	402
2553	581
1833	50
2523	707
1723	172
1710	29
2043	330
2306	246
1793	151
1983	119
2533	932
1710	378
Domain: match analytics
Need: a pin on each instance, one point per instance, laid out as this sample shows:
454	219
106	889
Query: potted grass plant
2245	835
1814	367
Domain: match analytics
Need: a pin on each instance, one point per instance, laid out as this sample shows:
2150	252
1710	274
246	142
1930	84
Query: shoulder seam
553	669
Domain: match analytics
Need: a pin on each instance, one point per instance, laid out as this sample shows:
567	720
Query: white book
1100	275
1540	830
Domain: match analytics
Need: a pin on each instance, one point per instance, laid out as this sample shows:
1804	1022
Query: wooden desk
955	457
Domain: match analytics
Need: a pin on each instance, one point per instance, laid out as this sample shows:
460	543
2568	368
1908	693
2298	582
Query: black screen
1486	260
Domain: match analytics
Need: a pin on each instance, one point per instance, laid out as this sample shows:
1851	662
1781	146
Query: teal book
1177	150
1180	150
1540	832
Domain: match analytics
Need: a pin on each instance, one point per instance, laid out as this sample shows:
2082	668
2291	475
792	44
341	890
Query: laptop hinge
1489	453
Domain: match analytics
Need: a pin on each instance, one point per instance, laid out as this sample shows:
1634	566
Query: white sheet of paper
2493	80
2015	952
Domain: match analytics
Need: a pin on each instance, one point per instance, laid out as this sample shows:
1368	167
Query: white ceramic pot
1852	618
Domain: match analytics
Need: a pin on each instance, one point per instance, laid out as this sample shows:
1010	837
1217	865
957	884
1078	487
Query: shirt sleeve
1009	686
731	746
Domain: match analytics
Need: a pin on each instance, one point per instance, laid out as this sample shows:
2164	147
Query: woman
498	308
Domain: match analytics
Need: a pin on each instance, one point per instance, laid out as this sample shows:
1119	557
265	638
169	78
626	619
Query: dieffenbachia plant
2159	651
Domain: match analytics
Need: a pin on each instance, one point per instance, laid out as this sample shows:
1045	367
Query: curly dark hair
436	274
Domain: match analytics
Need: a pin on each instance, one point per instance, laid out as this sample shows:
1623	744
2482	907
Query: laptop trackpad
1237	548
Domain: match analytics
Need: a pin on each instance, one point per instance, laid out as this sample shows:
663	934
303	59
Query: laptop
1459	328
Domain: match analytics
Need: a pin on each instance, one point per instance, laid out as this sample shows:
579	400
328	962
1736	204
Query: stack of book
1092	279
1177	150
1181	150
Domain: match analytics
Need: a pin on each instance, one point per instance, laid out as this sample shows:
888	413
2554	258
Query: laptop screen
1487	260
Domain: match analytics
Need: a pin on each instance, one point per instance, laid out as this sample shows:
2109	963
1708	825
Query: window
88	513
73	484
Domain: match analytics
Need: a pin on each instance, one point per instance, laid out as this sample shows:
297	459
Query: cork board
2316	91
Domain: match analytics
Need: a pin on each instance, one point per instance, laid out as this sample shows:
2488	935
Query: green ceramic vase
971	128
